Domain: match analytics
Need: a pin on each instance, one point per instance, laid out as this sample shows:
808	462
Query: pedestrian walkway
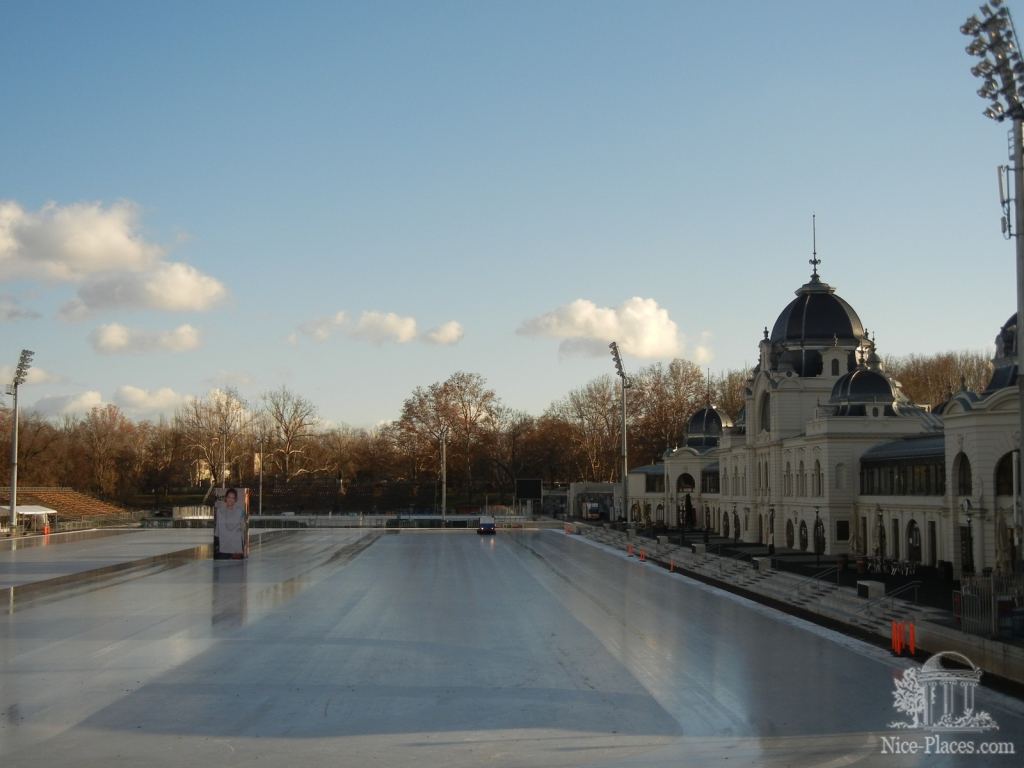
839	607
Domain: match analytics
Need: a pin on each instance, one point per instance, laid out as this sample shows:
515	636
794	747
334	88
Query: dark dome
705	427
863	386
1004	373
1008	338
817	314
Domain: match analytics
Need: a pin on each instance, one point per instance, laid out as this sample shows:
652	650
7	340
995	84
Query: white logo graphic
940	698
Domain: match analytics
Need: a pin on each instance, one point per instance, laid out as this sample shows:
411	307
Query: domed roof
1004	372
705	427
1008	337
816	314
863	385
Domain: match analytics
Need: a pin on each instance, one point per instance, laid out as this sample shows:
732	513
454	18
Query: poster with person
231	524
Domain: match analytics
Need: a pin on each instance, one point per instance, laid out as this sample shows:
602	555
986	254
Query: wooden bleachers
71	505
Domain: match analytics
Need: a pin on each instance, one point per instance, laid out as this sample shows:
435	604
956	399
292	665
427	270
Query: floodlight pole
625	444
14	461
1001	67
20	375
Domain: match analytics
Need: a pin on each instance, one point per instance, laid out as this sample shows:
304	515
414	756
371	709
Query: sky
353	199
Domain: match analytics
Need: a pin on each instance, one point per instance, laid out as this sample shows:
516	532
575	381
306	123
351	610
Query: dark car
486	526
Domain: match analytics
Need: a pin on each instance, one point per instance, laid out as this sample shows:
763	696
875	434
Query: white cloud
12	309
72	242
446	333
36	375
639	326
380	327
320	329
100	248
115	338
172	286
69	405
138	401
702	353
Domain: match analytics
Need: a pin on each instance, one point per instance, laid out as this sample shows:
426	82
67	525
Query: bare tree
213	431
292	420
931	379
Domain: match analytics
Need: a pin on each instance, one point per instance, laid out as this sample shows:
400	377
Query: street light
20	375
444	477
625	459
1002	70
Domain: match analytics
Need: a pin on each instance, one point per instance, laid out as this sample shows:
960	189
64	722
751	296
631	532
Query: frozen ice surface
339	648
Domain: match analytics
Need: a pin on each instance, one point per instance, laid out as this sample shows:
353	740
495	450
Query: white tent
35	516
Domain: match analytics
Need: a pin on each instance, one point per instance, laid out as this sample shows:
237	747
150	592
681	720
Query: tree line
222	437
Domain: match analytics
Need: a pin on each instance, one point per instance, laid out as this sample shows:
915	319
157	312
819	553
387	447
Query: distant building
829	452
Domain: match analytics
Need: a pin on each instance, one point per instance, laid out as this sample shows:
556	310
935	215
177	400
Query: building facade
830	456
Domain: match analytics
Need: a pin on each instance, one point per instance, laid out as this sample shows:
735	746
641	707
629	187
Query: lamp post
444	477
625	459
20	375
1001	69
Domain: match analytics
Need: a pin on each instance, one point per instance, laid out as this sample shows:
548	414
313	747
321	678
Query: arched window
766	414
801	486
767	482
803	536
725	526
787	480
1004	475
819	536
835	367
790	537
685	483
962	472
913	542
817	478
735	527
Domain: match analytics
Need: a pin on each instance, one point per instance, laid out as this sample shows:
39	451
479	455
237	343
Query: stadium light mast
20	375
1001	70
625	460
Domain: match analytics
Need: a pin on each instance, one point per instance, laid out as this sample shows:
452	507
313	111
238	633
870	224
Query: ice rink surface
355	648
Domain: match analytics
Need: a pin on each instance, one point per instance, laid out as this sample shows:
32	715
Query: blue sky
195	191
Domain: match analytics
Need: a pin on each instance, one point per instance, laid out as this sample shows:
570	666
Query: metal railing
816	578
891	597
986	604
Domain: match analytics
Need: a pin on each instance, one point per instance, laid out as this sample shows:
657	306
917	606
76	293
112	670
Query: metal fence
991	606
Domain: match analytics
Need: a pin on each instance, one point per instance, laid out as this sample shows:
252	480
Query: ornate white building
829	455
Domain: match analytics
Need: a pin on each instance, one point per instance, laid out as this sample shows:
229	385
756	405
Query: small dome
705	427
1004	373
817	314
854	391
863	386
1006	342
